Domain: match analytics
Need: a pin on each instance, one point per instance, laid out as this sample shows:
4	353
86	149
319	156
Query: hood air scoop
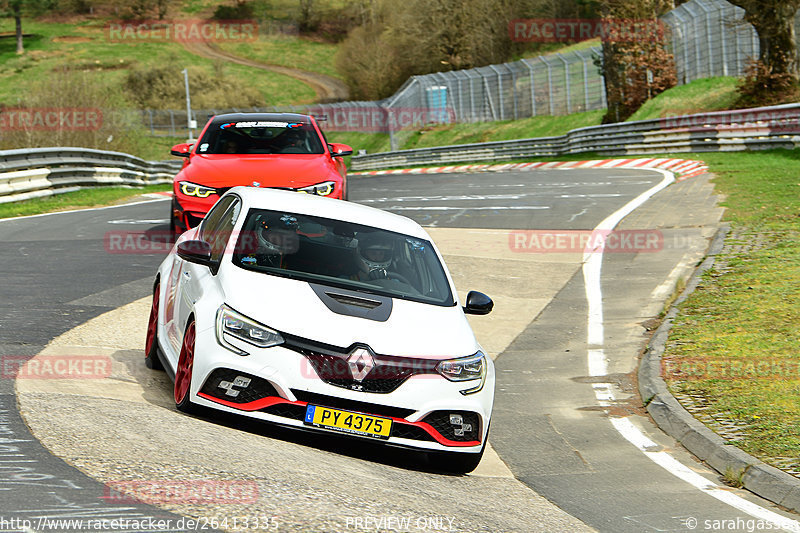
353	303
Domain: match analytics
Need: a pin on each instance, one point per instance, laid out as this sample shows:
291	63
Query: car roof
247	117
309	204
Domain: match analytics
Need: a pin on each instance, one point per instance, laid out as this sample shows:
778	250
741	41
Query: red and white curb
682	168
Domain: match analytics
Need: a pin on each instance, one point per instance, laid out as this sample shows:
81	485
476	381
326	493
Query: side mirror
195	252
478	304
340	150
181	150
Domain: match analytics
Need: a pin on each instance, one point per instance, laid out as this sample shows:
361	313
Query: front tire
151	359
183	374
458	463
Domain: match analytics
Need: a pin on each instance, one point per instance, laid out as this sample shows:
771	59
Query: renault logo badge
361	362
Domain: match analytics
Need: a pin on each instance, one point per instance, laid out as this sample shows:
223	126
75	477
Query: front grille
407	431
331	365
335	371
351	405
459	426
237	387
286	410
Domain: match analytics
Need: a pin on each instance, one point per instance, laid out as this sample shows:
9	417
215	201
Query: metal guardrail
745	129
37	172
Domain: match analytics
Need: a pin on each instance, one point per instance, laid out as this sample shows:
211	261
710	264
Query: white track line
87	209
598	366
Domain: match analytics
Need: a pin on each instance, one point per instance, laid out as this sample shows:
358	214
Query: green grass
709	94
745	310
288	51
86	47
76	200
541	126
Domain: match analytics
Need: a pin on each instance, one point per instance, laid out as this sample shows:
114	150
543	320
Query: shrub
66	91
761	86
238	11
162	87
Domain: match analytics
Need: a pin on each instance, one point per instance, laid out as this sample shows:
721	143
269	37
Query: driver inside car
373	256
277	240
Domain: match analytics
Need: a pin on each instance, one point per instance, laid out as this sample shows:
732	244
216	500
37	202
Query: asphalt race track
562	430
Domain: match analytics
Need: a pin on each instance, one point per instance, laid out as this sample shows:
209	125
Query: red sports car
276	150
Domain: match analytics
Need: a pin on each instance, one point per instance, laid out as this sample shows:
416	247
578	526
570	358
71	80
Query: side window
213	217
217	231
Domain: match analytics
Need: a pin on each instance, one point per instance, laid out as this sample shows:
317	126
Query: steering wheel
398	277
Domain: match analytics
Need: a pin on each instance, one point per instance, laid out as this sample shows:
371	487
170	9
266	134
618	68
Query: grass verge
76	200
699	96
733	349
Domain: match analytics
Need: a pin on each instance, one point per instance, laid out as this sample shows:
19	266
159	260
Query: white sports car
324	315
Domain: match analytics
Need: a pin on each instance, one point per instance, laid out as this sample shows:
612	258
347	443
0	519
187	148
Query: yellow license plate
347	422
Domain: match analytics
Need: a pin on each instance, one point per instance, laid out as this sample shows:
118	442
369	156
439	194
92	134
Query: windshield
260	137
342	254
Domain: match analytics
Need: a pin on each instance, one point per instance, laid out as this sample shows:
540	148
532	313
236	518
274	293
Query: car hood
413	329
287	170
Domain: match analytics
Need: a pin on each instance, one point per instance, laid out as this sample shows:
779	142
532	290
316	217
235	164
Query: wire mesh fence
708	38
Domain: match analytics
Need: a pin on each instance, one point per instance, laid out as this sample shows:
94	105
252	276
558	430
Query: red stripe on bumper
269	401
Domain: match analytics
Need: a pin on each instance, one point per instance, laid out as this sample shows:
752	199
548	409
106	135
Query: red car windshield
260	137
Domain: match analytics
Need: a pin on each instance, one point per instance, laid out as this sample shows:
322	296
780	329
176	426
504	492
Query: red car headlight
193	189
325	188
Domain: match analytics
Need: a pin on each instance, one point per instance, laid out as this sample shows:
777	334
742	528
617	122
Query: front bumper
188	211
282	383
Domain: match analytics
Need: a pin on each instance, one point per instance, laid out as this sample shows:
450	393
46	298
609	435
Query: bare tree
306	15
435	35
773	20
635	63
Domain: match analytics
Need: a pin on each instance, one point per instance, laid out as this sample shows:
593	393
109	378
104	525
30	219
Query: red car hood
268	170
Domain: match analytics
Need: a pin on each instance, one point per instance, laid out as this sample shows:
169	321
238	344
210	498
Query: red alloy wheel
152	324
183	375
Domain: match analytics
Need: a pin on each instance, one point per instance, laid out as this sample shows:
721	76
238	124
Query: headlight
192	189
465	369
229	322
325	188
